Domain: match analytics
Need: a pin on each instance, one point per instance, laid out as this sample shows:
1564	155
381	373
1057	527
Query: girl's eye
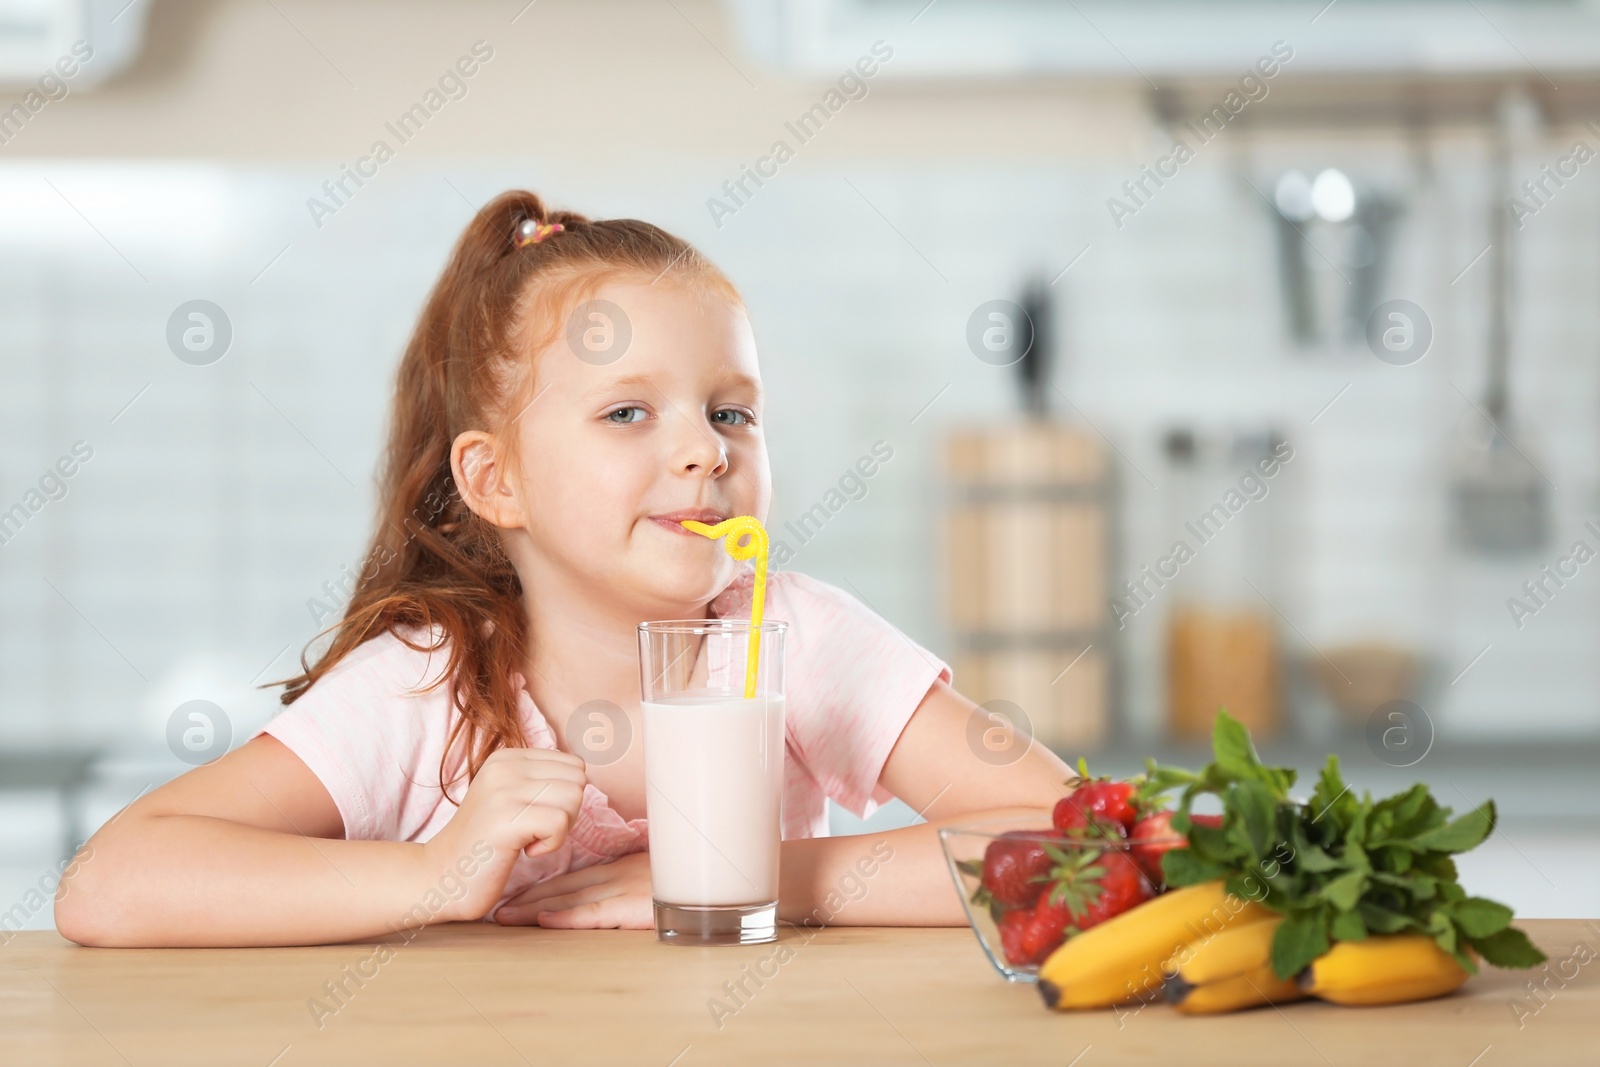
735	417
626	415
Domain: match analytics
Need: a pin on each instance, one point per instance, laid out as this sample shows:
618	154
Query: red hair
434	563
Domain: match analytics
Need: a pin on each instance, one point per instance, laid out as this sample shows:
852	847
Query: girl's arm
249	850
899	877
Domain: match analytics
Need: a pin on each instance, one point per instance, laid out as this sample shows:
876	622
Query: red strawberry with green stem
1096	803
1015	865
1122	886
1087	887
1153	837
1095	810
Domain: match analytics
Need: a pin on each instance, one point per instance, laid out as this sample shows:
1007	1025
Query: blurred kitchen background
1303	419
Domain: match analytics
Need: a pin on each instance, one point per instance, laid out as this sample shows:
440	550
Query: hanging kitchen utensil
1033	368
1356	228
1292	210
1501	507
1367	249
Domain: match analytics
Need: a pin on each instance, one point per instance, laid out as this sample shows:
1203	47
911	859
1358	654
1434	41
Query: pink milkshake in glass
713	778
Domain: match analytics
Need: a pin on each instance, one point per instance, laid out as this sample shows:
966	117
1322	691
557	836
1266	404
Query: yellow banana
1249	989
1391	969
1120	959
1232	952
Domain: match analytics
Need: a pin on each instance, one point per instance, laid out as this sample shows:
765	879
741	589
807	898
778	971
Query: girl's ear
483	481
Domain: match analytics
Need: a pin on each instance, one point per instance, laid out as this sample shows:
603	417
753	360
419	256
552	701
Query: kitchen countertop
480	994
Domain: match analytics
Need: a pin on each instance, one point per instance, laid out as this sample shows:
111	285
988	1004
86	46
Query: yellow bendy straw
748	529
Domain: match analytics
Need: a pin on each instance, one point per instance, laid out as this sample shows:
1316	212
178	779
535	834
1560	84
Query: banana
1232	952
1120	959
1248	989
1390	969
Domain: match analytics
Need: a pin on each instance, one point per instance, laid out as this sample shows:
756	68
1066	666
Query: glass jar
1222	642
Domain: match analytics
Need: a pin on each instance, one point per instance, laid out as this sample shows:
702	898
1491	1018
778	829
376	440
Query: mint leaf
1313	859
1232	748
1211	845
1439	865
1347	926
1301	938
1381	920
1339	867
1478	917
1410	813
1256	809
1331	800
1181	867
1509	948
1344	892
1461	834
1443	930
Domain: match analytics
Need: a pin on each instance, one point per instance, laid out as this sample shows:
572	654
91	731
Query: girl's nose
699	450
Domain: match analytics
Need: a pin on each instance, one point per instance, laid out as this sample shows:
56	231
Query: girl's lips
674	521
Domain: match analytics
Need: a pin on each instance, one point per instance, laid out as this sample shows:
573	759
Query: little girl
575	388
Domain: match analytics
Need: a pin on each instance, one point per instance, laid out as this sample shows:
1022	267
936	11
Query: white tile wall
189	545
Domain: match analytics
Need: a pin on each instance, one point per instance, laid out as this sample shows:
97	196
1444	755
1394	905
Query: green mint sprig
1339	867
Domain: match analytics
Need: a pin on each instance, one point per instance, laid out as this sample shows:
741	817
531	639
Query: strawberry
1014	867
1013	932
1122	886
1088	886
1153	837
1108	800
1029	935
1068	817
1045	930
1095	803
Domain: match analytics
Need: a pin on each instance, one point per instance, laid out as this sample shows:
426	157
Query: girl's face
619	443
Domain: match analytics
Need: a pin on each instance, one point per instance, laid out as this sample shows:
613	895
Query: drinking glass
713	777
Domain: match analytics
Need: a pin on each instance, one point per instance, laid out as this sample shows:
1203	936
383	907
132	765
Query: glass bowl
965	847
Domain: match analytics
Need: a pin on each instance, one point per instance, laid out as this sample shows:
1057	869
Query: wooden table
481	995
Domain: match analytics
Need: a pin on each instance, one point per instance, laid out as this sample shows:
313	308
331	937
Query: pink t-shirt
853	681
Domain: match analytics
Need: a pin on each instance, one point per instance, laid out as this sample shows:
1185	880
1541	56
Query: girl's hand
523	800
607	896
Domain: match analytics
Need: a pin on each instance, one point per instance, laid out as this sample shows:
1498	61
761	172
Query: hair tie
532	231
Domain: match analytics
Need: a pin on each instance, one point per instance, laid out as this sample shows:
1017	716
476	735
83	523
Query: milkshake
713	704
714	787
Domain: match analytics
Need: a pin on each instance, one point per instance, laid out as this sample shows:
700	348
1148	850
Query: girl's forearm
890	878
192	880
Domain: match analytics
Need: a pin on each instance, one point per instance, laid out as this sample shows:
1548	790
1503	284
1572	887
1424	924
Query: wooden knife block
1027	542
